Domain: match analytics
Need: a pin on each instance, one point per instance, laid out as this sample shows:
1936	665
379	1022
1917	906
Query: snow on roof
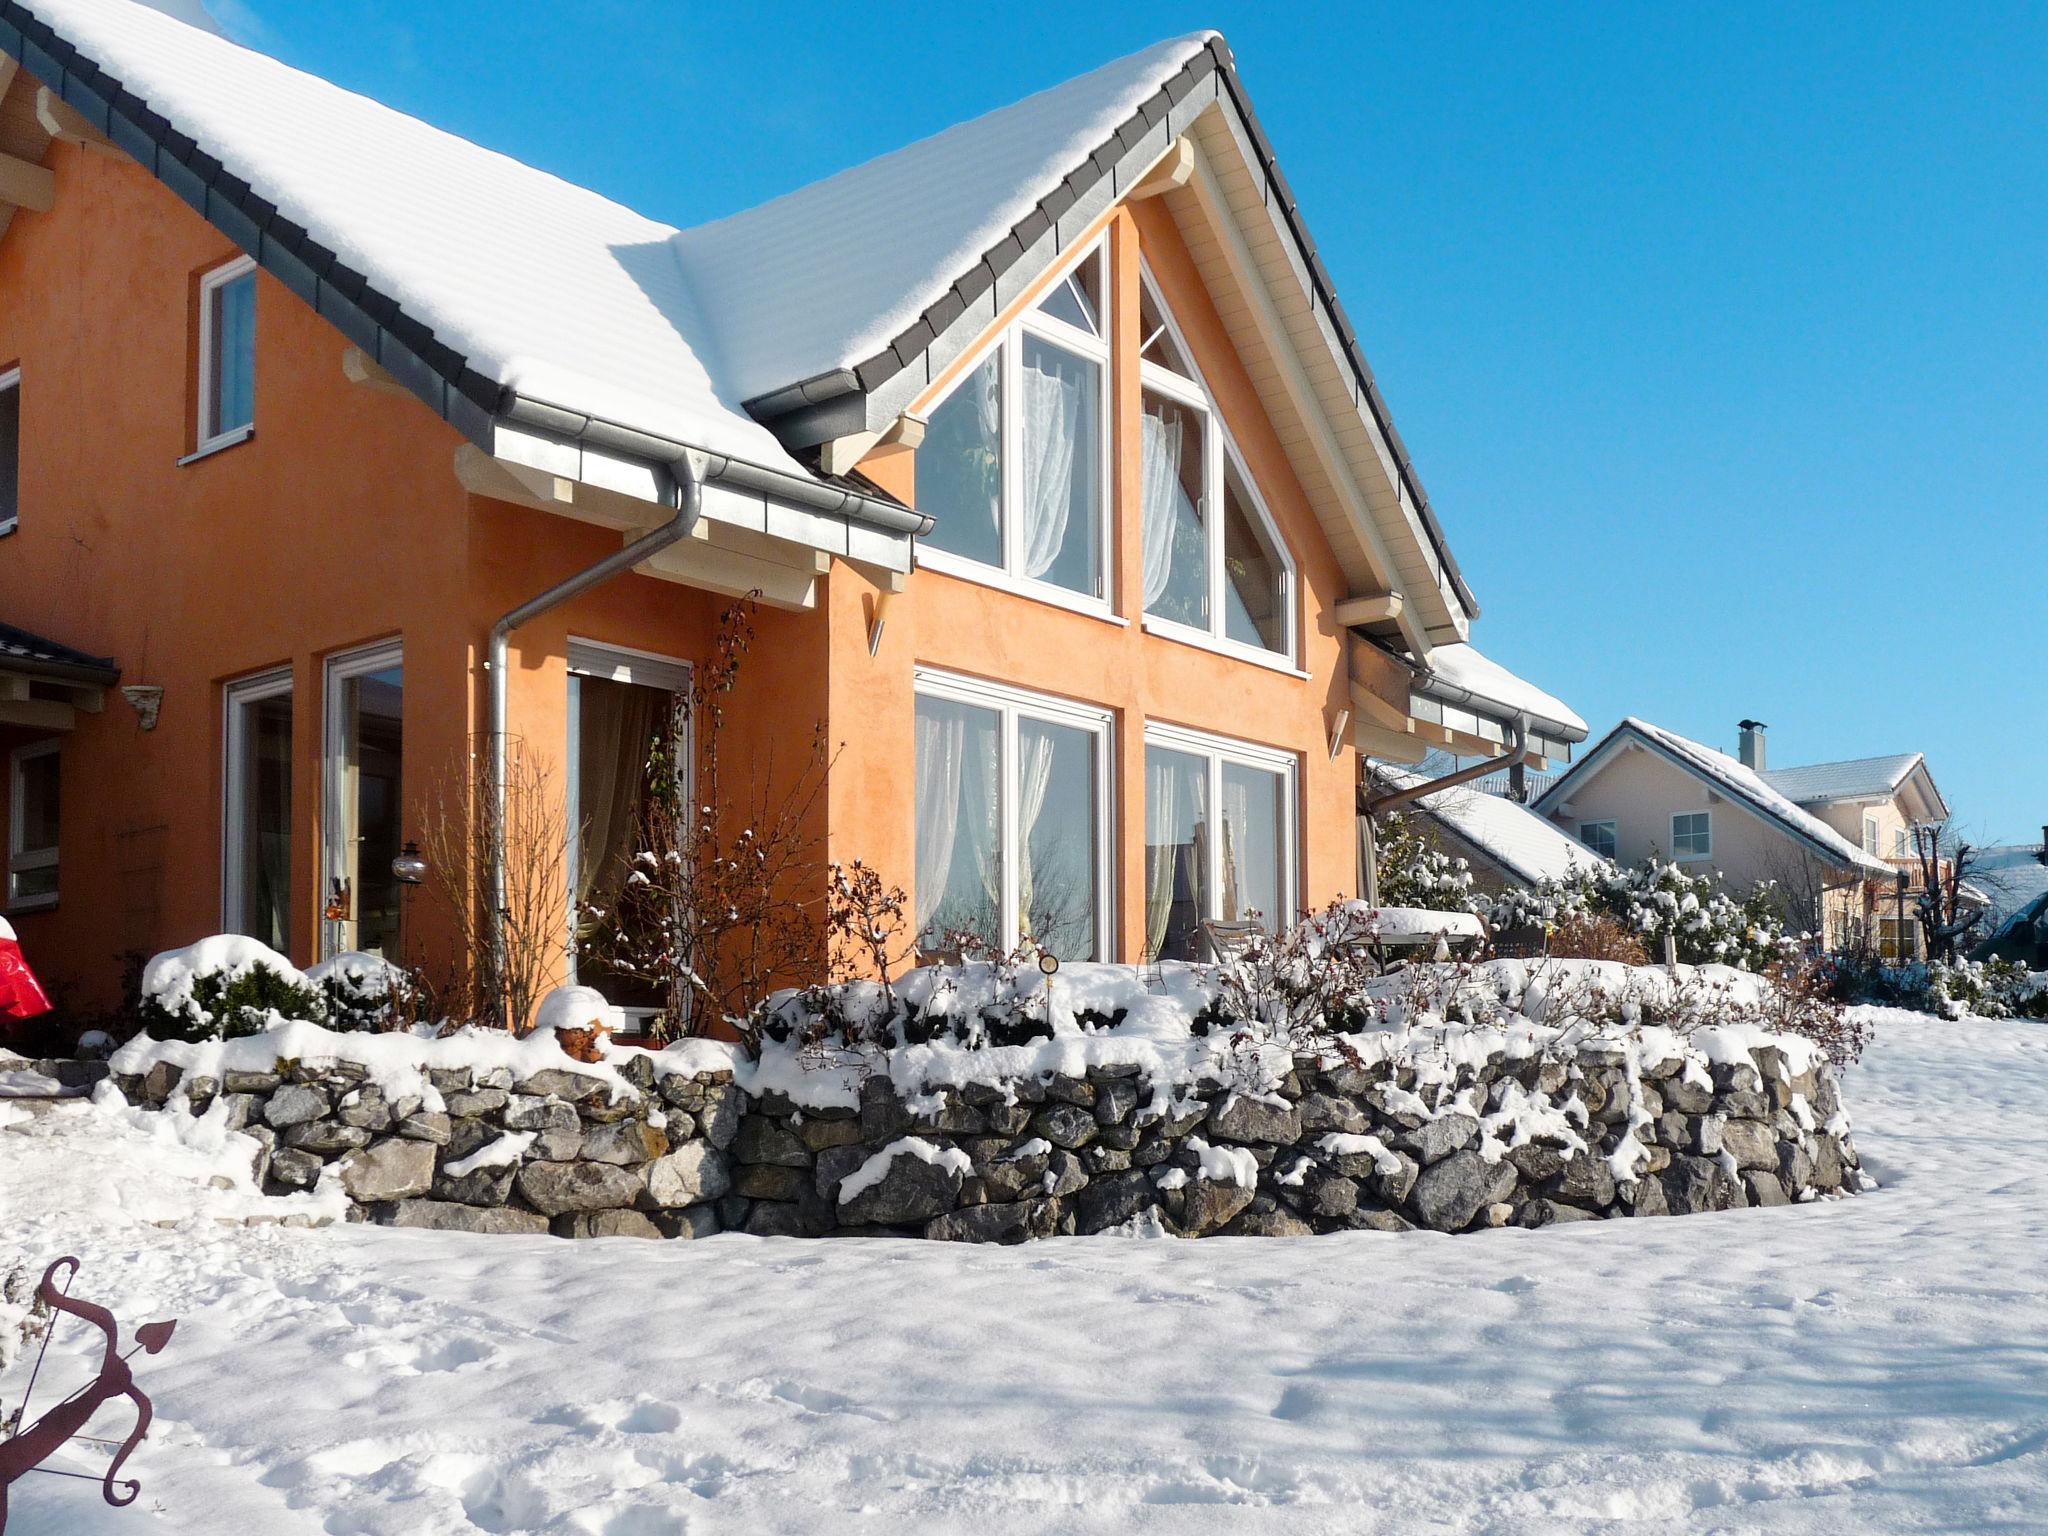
1745	785
826	276
544	286
1464	667
30	652
1855	779
1526	845
2012	876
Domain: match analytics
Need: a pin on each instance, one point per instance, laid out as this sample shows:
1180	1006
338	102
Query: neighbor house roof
2013	876
515	302
1525	845
1859	778
1723	773
30	655
1462	669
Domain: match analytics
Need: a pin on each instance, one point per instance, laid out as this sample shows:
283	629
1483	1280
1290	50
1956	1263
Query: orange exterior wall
341	522
964	626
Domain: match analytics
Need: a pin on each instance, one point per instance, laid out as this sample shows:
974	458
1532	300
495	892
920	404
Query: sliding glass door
364	826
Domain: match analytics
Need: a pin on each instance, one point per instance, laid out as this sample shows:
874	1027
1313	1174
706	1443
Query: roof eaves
31	655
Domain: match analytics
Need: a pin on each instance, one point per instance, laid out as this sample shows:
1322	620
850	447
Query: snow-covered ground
1875	1364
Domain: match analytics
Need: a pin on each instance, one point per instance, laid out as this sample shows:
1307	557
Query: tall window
256	821
1871	832
1599	836
33	804
622	712
1012	792
1214	568
10	448
1692	835
227	354
1012	465
1219	838
365	760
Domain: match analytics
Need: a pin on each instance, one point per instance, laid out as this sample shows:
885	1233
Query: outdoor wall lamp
409	868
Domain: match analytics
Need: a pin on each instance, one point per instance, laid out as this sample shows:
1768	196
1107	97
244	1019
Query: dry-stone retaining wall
1525	1140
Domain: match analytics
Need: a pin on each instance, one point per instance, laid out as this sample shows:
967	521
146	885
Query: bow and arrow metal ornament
31	1444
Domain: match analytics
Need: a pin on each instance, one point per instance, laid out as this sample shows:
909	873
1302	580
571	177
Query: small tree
507	956
1944	867
721	902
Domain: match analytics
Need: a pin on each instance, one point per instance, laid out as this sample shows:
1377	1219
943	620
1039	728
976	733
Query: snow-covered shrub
1310	980
1649	901
1991	989
1595	936
1414	872
363	991
223	987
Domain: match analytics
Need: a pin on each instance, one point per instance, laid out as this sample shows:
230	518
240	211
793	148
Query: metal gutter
1431	686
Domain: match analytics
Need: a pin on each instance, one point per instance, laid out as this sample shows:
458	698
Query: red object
21	996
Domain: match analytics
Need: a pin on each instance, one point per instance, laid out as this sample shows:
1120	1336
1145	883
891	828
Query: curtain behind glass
1057	482
617	725
959	870
1255	576
1176	852
960	467
1170	492
1056	821
264	739
1252	804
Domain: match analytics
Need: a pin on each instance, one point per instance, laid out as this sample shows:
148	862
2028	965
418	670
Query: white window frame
1705	853
334	857
211	438
235	697
10	379
614	664
1217	447
1008	343
1216	751
1613	837
1902	843
1873	830
1013	705
21	859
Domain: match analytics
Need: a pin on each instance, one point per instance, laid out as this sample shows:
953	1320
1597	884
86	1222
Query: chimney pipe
2044	842
1752	748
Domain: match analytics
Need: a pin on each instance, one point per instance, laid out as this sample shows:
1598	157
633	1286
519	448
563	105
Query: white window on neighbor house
1220	839
32	825
1216	570
1014	466
1871	832
256	809
1692	835
227	355
363	810
1902	843
628	730
1599	836
10	448
1013	819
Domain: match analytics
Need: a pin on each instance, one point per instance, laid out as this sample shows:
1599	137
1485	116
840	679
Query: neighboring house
1507	845
1077	521
1645	792
2014	880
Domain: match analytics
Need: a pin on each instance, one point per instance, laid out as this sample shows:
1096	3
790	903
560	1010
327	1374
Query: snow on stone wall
1446	1126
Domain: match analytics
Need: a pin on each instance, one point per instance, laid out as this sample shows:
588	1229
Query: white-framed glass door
363	816
1221	837
1014	829
256	808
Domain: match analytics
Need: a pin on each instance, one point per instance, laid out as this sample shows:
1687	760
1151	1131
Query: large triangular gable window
1215	569
1013	466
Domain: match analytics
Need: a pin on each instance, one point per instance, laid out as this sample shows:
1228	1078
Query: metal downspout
689	472
1371	805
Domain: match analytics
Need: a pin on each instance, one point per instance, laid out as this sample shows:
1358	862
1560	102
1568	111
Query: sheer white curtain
1161	497
1034	773
1052	423
1237	826
988	404
941	759
1162	821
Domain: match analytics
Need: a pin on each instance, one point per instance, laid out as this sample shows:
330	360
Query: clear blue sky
1719	338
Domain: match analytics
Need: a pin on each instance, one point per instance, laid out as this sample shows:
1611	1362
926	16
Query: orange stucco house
1072	509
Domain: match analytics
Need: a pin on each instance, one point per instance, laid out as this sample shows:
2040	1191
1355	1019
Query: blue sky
1719	336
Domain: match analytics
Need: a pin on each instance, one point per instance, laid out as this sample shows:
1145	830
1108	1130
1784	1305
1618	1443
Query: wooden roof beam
26	184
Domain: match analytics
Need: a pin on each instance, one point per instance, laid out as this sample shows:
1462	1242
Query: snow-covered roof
1729	776
22	652
827	276
1527	846
1485	681
2012	876
1858	778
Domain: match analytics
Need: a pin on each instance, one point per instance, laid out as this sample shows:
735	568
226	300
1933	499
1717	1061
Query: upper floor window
1213	563
1900	844
1012	466
1870	832
32	826
1599	836
1692	835
10	448
227	354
